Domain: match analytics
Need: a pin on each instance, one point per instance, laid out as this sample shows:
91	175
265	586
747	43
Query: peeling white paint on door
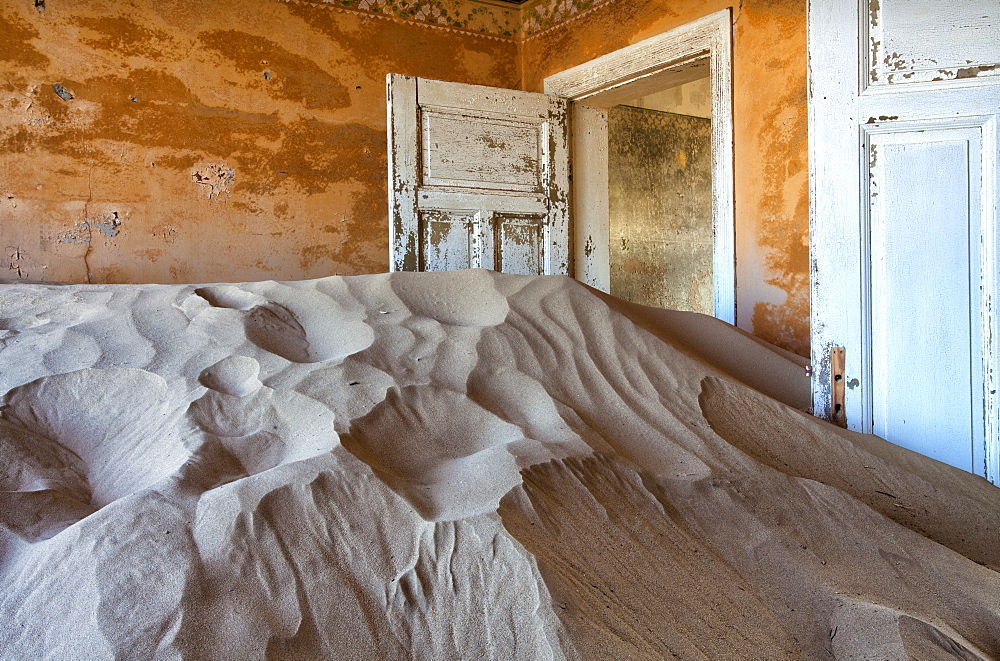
479	178
904	106
920	41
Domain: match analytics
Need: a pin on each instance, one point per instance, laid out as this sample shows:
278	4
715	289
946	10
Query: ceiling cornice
513	20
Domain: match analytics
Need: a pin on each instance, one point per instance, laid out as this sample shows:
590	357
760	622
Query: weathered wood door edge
991	304
401	104
606	81
832	282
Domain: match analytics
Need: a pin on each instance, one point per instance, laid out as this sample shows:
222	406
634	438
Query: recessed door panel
446	240
915	41
925	312
519	243
470	150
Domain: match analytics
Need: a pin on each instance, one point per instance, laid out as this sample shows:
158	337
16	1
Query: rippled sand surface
459	465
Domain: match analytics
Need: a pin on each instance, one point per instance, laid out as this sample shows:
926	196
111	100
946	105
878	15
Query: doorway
700	50
660	198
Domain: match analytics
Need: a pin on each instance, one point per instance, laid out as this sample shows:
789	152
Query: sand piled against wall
454	466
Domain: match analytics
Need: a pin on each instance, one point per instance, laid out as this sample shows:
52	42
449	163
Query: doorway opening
647	71
660	197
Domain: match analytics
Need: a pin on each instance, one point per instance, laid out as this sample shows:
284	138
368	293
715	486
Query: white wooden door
904	105
478	178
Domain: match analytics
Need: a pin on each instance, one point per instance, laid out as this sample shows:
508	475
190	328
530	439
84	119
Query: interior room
495	329
660	198
248	142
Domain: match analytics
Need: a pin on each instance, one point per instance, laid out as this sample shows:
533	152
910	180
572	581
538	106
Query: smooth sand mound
455	465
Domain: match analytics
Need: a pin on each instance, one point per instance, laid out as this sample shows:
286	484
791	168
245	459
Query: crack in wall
86	220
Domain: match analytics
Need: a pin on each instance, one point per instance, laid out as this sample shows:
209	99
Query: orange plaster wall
178	160
771	173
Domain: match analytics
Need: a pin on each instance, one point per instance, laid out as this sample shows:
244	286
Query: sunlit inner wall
660	203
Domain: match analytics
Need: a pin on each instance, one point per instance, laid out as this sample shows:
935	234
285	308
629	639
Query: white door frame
668	59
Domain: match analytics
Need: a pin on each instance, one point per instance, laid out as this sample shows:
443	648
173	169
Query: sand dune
455	465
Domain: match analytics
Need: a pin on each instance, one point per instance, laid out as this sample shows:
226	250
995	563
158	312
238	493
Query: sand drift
454	466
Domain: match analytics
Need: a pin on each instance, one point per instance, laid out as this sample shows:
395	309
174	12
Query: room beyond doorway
660	198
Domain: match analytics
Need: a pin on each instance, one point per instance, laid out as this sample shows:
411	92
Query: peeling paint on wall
62	92
216	171
216	179
107	225
20	264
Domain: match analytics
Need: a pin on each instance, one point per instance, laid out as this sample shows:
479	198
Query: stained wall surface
769	106
177	141
660	208
245	139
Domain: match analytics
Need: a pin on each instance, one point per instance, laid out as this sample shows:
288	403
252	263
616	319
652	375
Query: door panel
472	150
519	243
479	178
924	306
915	41
903	111
446	238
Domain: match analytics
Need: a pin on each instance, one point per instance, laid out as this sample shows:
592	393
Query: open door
479	178
904	106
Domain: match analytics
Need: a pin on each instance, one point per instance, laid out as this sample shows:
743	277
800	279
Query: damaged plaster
216	171
216	179
108	225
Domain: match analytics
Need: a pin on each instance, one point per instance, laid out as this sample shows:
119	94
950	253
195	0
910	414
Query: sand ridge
451	466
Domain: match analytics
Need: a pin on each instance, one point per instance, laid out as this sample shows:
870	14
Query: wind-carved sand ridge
460	465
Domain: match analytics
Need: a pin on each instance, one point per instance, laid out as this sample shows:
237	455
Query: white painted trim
834	158
668	58
990	250
591	219
403	136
